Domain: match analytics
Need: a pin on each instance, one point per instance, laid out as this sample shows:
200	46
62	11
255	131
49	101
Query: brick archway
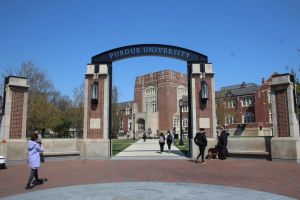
97	121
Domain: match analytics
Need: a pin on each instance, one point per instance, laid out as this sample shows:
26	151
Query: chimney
243	85
262	80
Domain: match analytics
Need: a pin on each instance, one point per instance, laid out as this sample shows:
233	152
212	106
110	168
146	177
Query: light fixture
204	90
95	89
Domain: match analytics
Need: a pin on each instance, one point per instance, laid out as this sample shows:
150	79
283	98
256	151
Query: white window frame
230	103
182	91
151	99
247	101
229	119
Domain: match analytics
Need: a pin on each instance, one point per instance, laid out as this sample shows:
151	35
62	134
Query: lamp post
180	119
133	116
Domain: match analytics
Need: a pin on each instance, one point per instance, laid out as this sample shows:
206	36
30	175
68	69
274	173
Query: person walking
169	140
222	143
144	136
161	142
34	159
39	141
201	141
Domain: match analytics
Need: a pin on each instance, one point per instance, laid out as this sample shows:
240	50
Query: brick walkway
275	177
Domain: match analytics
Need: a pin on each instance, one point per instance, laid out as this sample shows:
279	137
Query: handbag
42	157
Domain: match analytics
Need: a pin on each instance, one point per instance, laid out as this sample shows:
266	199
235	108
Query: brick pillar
96	113
13	121
286	141
203	112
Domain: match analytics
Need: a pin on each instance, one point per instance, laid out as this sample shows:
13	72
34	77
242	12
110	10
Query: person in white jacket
34	160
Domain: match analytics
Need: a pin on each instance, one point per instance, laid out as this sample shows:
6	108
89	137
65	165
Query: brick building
155	107
245	109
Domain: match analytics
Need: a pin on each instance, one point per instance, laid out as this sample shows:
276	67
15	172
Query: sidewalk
142	172
150	149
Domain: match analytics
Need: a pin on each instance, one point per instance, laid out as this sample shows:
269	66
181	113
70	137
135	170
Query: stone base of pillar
286	148
94	148
15	149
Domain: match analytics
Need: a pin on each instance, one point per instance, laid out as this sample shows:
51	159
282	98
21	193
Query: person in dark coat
169	140
201	141
144	136
161	142
222	144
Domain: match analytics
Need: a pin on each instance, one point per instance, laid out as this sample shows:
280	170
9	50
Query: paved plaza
149	149
150	178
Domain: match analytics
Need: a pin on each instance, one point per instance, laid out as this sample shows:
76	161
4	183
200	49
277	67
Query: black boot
28	186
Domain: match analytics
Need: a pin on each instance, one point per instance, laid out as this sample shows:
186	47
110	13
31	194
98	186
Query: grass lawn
120	145
185	148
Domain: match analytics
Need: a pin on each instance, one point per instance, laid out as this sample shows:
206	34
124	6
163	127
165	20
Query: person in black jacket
201	141
161	142
222	144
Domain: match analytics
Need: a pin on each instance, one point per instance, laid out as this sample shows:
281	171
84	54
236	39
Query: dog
212	153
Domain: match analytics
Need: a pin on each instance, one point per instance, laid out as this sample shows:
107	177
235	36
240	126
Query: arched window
181	91
141	124
248	117
151	99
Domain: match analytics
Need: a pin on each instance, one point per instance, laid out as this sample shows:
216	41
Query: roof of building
159	72
237	90
126	103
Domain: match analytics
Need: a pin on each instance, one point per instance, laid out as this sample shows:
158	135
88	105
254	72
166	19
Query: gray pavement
147	190
149	149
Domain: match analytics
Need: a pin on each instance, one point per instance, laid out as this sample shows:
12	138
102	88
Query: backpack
169	137
161	139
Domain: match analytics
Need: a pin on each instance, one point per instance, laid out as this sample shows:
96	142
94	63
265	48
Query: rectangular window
185	109
230	103
229	119
154	106
248	118
185	122
247	101
269	97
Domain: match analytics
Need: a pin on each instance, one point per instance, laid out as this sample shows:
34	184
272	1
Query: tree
223	112
78	105
47	108
117	113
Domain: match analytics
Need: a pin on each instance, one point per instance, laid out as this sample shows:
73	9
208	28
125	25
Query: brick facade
282	113
204	109
16	114
95	110
260	107
166	84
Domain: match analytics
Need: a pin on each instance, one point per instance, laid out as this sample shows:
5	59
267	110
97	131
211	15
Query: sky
245	40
